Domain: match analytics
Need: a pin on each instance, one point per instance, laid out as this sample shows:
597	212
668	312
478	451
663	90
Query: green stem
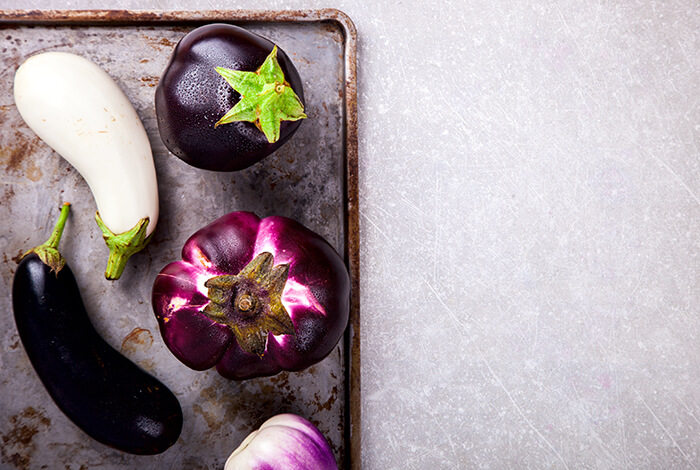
55	238
250	303
267	98
122	245
48	252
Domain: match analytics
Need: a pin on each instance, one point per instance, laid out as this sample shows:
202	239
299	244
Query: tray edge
353	456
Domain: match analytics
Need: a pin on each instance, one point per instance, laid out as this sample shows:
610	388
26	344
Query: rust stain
14	157
160	43
8	196
17	158
17	258
328	404
17	443
167	42
150	81
212	421
253	401
333	29
148	365
138	339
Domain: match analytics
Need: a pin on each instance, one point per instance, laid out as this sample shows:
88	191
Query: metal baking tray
312	178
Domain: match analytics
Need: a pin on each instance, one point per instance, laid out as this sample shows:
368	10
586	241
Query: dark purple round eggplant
195	93
102	392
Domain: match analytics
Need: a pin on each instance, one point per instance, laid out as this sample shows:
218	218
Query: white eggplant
78	110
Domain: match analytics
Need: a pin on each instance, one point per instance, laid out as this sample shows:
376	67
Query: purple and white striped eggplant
285	441
253	297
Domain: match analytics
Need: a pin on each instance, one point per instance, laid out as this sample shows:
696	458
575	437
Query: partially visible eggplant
101	391
285	441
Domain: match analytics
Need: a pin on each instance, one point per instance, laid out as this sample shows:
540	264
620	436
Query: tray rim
100	17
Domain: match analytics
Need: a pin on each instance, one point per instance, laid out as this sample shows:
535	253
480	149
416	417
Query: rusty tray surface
312	178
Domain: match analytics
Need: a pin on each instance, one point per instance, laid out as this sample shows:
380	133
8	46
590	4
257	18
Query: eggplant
284	441
228	98
79	111
105	394
253	297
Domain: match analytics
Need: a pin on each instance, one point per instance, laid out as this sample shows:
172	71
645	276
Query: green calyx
48	252
250	303
122	245
267	98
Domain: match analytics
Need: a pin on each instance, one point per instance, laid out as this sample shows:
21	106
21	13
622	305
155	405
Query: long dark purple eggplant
101	391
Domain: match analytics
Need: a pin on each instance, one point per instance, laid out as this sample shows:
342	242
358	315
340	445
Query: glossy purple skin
285	441
316	296
191	97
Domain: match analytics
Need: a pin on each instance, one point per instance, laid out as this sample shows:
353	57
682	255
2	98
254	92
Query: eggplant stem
48	252
250	303
55	238
122	245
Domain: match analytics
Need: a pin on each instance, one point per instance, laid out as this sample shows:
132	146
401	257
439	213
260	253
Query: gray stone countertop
530	228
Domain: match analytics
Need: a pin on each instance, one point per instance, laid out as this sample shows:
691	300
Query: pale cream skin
78	110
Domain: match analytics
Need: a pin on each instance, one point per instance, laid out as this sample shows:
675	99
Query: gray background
530	195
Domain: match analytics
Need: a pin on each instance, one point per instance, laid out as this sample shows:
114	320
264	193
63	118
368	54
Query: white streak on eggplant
284	441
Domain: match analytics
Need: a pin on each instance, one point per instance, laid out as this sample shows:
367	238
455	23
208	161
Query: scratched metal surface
303	180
